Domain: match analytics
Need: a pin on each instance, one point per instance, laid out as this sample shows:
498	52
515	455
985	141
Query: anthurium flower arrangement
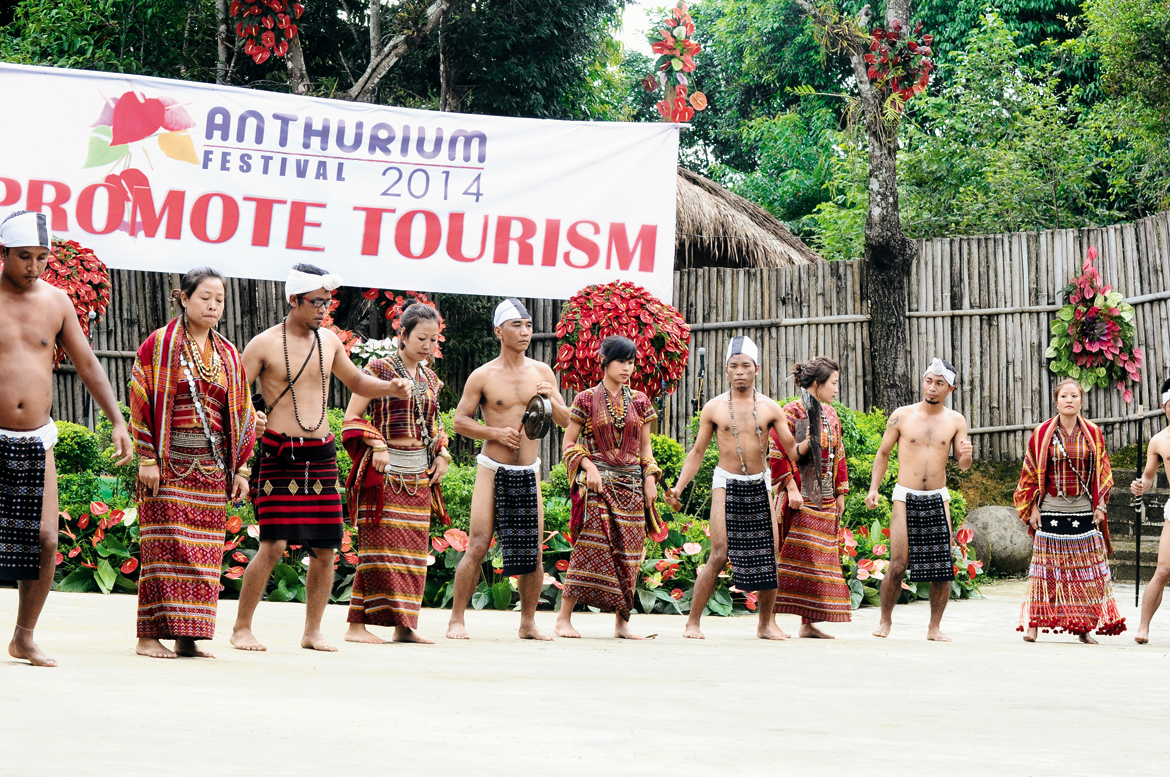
900	63
676	59
622	308
78	272
1093	335
266	26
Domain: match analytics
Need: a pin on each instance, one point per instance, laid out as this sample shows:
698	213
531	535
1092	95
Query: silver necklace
735	431
186	365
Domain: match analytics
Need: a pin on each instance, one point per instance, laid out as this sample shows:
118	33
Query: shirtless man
508	464
920	529
34	318
1158	450
743	523
297	495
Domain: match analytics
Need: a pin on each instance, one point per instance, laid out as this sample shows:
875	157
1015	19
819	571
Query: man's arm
881	461
253	358
560	411
694	458
963	447
361	382
89	369
1153	453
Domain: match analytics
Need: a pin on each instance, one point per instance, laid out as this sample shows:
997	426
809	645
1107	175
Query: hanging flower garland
899	64
1094	334
267	26
621	308
676	53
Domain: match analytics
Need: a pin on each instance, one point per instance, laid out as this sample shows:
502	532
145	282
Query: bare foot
1142	636
317	641
152	648
622	631
692	631
457	630
403	634
934	635
357	632
1087	638
810	631
883	629
189	648
1030	635
244	639
531	632
771	631
565	629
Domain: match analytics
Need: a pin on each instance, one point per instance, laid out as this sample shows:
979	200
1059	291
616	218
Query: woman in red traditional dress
811	583
194	426
614	483
399	456
1062	496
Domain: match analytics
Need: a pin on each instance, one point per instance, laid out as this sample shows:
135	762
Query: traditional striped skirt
811	583
181	535
607	552
298	497
1070	588
392	547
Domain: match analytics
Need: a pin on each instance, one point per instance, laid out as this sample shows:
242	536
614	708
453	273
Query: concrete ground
985	704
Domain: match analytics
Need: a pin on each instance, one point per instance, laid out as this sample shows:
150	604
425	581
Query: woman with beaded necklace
399	457
194	428
614	483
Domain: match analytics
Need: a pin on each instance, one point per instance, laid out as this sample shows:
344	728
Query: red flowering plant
900	64
76	270
266	26
658	330
1093	335
676	59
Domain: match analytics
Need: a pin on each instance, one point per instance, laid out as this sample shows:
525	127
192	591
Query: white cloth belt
901	491
493	465
720	477
47	434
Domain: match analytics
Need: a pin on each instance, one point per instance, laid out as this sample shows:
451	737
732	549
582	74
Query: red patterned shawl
1030	490
784	469
154	381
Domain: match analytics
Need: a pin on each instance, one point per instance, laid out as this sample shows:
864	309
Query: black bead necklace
289	378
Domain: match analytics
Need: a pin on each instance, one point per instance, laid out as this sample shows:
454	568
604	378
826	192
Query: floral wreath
676	53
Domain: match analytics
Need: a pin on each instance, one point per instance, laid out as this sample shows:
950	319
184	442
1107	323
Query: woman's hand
437	470
381	460
840	506
592	476
149	476
1098	516
1034	518
239	488
795	498
650	490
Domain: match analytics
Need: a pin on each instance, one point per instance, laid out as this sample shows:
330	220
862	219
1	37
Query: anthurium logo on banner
131	122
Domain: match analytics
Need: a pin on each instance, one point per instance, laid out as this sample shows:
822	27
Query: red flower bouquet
1093	335
899	65
621	308
266	26
676	57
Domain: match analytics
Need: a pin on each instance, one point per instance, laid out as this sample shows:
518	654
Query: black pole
1140	514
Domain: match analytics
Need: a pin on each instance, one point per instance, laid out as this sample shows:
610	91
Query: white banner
163	175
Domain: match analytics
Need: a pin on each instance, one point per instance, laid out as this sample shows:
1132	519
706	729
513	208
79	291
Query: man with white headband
1159	451
507	480
34	318
921	534
294	485
743	524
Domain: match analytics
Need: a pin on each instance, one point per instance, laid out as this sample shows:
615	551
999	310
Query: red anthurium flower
74	551
562	565
439	544
98	508
676	594
129	566
235	573
234	524
60	558
457	538
240	557
88	565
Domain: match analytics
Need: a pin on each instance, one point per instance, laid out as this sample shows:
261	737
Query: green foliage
76	450
669	454
344	462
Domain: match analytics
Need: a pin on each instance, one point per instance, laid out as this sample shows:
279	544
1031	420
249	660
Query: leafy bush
77	449
669	454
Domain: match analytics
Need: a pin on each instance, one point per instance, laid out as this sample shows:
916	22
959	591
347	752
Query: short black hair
309	269
616	348
1166	386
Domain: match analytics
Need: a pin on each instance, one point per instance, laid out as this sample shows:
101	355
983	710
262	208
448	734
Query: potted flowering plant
622	308
1093	335
676	51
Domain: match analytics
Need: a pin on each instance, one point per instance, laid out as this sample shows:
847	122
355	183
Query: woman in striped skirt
194	427
1062	496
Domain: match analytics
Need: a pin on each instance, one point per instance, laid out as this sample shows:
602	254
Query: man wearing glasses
296	491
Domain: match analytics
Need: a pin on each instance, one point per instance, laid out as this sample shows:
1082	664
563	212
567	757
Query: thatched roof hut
715	228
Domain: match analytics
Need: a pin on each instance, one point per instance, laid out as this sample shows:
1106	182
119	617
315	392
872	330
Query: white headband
1165	397
303	282
938	368
745	346
25	228
509	309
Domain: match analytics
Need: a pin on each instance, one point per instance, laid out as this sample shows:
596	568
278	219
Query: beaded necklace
289	378
185	361
735	431
619	421
419	388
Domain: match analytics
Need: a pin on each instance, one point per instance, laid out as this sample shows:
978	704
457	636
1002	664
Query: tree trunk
298	75
366	88
444	67
220	39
